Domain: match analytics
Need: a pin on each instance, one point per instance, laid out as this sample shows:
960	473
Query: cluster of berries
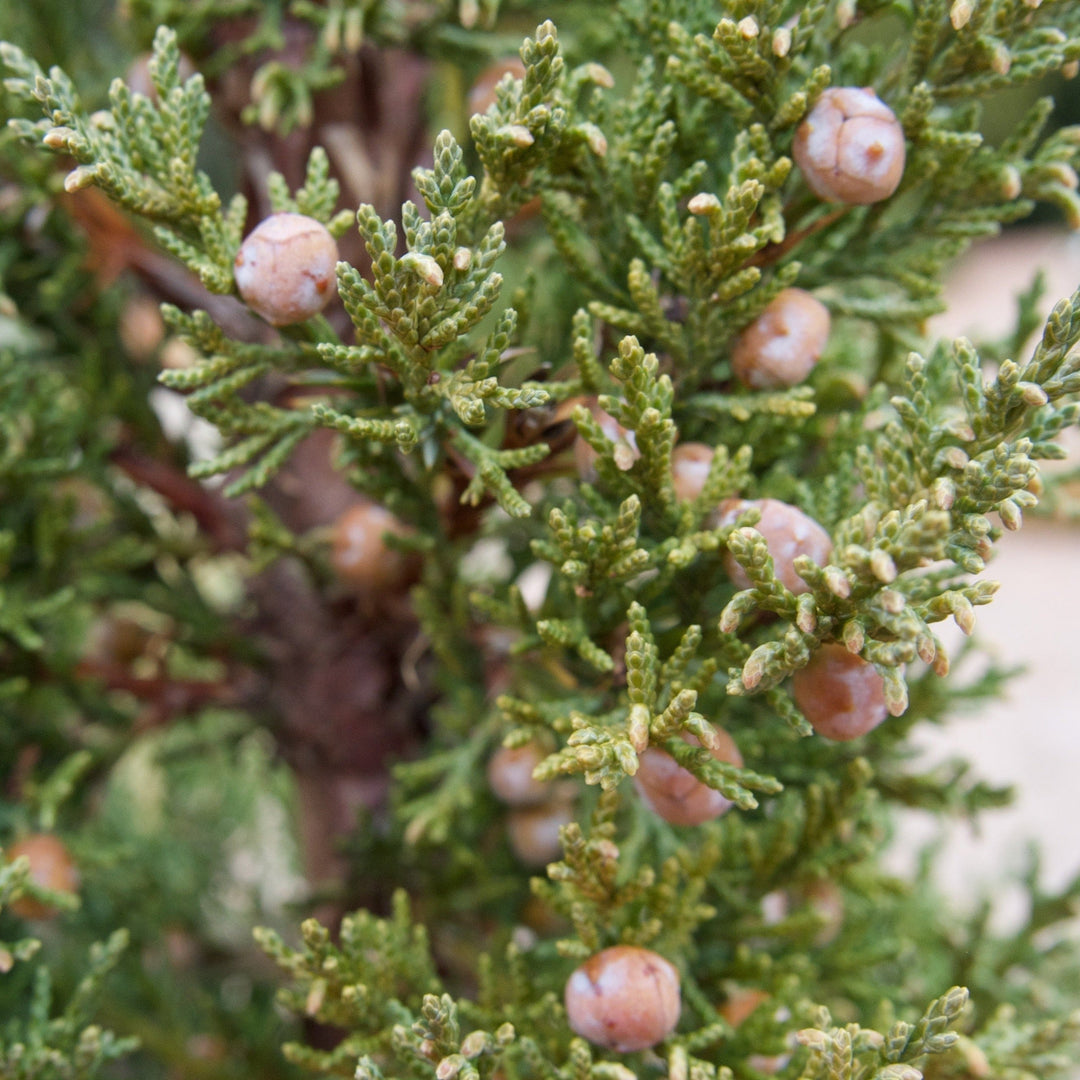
537	809
850	149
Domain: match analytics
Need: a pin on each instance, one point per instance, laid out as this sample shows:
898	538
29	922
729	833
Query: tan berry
850	147
482	94
625	998
841	694
675	793
788	533
741	1002
625	450
510	775
533	831
285	269
361	556
141	327
782	345
690	469
51	867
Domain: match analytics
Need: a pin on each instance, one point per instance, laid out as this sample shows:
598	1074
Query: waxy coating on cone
788	533
533	831
286	269
842	695
361	556
51	867
510	775
690	463
675	793
850	148
781	346
625	998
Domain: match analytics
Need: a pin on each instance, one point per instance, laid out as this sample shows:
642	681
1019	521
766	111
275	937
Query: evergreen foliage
518	350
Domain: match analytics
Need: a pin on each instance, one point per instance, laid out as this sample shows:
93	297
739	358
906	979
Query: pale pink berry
533	831
361	556
842	695
690	468
782	345
788	533
675	793
285	269
624	998
850	147
51	867
510	775
740	1003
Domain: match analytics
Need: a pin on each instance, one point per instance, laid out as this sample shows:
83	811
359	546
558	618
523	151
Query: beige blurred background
1031	737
